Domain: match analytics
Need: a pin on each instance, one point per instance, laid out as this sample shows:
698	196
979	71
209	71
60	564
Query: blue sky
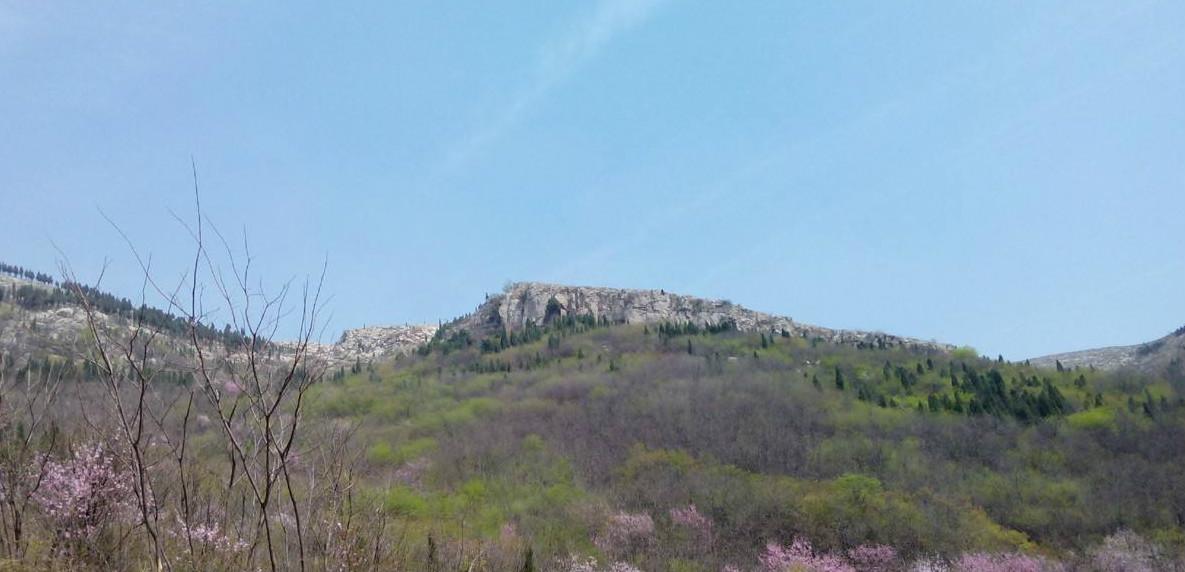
1007	175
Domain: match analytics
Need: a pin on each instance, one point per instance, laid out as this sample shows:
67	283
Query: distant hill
41	318
1162	357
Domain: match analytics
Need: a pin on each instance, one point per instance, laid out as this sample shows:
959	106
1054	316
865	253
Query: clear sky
1007	175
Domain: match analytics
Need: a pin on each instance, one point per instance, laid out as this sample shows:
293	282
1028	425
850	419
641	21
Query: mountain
1159	357
556	426
43	317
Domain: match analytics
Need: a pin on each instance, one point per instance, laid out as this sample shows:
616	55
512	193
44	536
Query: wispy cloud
557	61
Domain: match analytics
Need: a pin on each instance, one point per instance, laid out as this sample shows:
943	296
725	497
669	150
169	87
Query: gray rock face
533	302
373	343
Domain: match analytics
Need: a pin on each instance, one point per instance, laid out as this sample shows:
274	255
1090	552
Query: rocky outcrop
373	343
532	302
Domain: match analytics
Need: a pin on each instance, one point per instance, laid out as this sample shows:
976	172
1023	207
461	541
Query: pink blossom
691	518
81	495
508	534
800	556
625	532
873	557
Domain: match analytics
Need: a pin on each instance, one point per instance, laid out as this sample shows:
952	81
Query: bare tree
26	405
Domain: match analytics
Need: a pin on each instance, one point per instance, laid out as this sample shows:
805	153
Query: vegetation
940	456
579	444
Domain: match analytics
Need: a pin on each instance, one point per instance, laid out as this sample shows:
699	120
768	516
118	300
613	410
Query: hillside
1162	357
40	318
586	429
591	427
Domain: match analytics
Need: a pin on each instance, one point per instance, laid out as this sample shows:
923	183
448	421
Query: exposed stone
528	302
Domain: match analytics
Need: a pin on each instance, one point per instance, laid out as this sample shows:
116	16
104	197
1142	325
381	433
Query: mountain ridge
523	303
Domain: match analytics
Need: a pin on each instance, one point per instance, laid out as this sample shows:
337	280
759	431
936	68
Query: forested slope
588	427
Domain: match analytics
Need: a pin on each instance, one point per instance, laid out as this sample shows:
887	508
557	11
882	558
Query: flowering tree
689	517
84	494
625	533
800	556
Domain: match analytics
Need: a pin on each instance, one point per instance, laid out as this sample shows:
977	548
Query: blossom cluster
691	518
82	494
801	556
624	532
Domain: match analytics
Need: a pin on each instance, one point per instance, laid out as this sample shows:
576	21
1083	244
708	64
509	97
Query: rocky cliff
532	302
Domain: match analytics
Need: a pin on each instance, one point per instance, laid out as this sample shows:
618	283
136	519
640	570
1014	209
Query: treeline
672	329
21	272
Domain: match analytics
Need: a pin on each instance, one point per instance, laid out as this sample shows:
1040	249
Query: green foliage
927	451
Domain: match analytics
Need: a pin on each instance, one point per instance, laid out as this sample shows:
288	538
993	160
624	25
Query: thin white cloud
557	61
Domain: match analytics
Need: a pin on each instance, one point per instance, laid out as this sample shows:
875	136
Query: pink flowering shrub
625	532
873	557
800	556
689	517
81	495
982	562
